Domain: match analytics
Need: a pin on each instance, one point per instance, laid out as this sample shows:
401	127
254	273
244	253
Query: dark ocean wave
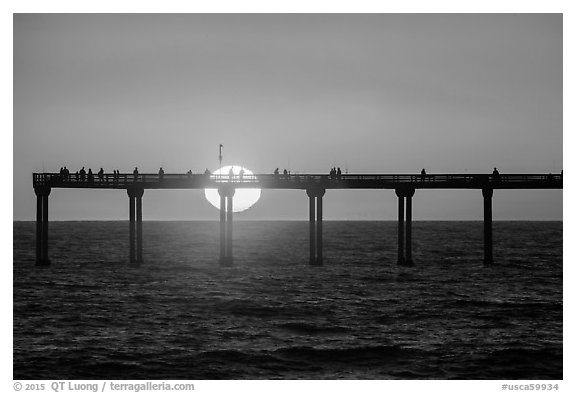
181	316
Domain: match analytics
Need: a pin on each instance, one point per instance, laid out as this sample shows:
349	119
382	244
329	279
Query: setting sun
244	198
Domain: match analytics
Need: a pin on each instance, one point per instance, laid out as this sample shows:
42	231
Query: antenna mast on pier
220	155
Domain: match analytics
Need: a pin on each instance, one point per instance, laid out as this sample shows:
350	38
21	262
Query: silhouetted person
66	173
242	174
101	175
189	173
339	173
276	172
90	176
231	174
423	174
161	174
135	172
82	174
207	172
496	174
285	172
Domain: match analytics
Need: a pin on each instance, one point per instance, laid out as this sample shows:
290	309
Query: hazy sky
375	93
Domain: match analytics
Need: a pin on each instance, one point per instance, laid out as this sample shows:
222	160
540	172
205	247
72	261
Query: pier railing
297	181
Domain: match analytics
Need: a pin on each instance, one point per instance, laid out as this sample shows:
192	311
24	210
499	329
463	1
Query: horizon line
302	220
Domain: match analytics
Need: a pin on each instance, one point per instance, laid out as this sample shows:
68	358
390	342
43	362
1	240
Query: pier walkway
315	185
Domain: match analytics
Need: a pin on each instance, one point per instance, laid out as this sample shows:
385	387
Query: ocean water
91	315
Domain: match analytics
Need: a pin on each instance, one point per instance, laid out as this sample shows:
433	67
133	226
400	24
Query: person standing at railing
90	176
161	174
231	175
496	175
339	173
63	174
101	175
82	174
241	175
423	174
135	172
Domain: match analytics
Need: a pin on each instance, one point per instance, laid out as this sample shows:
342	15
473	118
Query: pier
315	186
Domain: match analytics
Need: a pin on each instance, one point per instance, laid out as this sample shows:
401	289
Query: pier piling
312	230
135	214
222	228
409	261
42	194
405	228
226	220
315	196
487	193
132	224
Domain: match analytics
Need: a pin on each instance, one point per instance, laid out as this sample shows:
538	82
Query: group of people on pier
81	175
285	173
335	173
88	176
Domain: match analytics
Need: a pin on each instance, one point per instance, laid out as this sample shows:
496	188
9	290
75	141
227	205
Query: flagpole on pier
220	158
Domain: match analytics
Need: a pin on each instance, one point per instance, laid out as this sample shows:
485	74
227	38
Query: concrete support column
139	229
315	211
400	230
135	213
226	220
312	230
319	260
488	255
132	236
42	193
405	229
229	215
45	259
222	228
38	227
409	231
